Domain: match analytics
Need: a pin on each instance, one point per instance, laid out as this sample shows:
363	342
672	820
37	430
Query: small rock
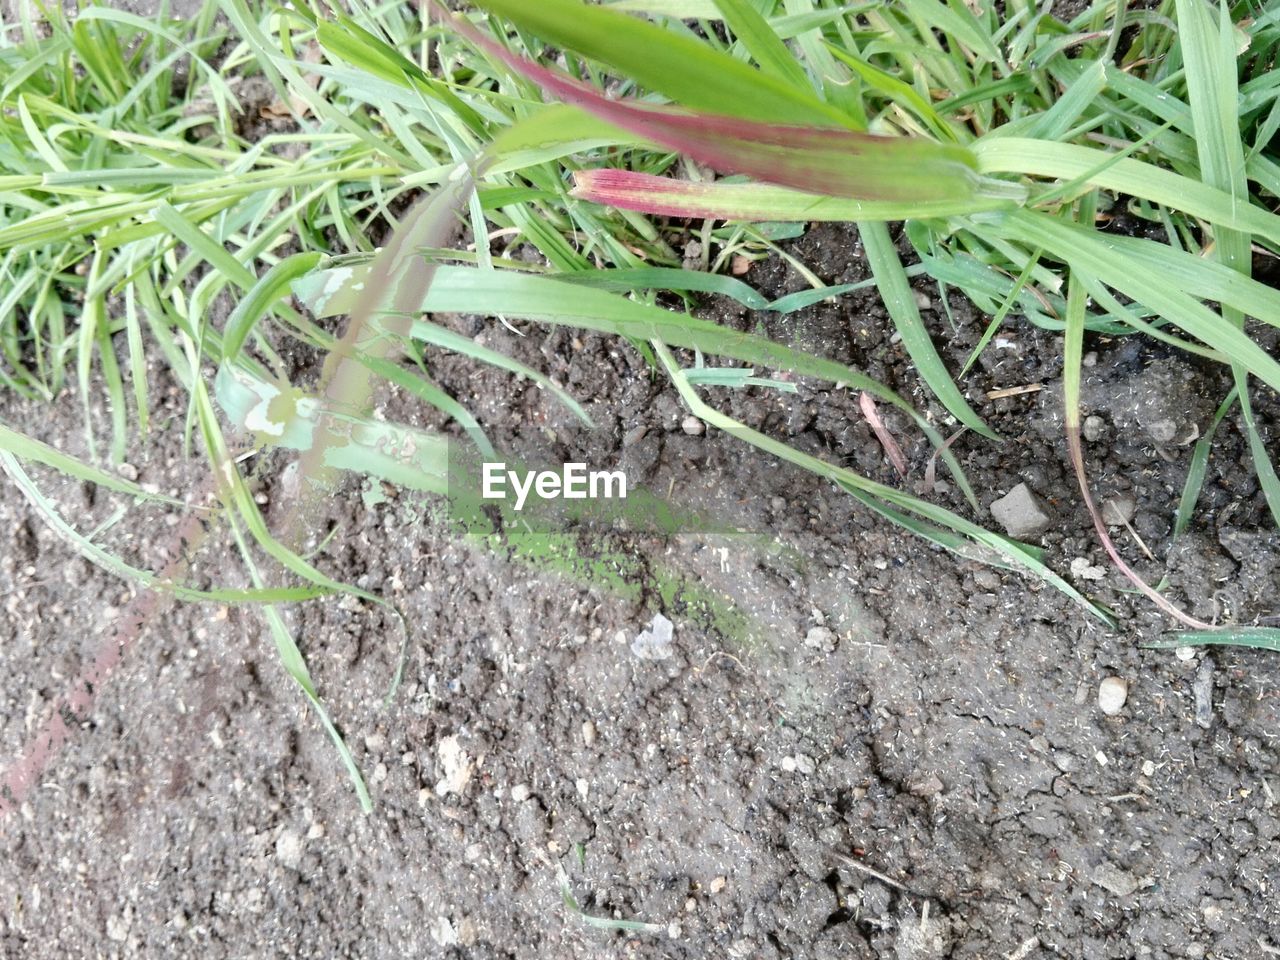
442	932
655	642
520	792
692	426
1148	768
1119	510
789	764
820	638
128	471
717	885
930	786
922	300
1093	428
118	926
588	732
1112	693
1021	513
456	766
1163	430
1113	879
289	849
805	764
1083	569
1185	654
1202	687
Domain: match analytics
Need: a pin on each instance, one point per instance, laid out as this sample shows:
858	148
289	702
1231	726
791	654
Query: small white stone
789	764
718	884
1148	768
805	764
1184	653
588	733
289	849
1083	569
820	638
1112	693
520	792
692	426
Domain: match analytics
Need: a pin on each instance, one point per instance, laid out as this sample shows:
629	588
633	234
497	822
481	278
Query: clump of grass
144	197
846	123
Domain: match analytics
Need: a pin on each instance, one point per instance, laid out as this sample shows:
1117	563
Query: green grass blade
900	301
689	72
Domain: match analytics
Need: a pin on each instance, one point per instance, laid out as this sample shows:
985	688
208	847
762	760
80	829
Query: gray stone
1119	510
1021	513
1113	879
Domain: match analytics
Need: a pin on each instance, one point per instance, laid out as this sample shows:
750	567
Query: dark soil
941	783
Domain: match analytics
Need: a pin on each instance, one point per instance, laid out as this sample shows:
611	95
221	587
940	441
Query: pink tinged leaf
891	448
825	160
664	196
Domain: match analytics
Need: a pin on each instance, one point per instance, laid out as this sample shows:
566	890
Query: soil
932	778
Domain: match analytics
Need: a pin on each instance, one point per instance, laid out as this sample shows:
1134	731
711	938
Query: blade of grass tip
273	285
34	451
601	923
295	664
1073	355
108	561
1196	470
1007	305
1018	555
894	452
900	301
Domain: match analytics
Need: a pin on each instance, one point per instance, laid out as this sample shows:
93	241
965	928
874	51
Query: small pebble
1119	510
805	764
1148	768
1112	693
1112	878
128	471
588	732
289	849
520	793
718	884
930	786
789	764
1185	653
820	638
692	426
1093	428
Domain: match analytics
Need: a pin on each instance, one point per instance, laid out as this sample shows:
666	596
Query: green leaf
687	71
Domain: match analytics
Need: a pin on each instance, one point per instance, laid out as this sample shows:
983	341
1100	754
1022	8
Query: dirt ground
931	778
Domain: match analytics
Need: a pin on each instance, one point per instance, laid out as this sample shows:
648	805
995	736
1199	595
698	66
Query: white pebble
1112	693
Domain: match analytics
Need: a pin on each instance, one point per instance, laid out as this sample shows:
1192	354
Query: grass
171	184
